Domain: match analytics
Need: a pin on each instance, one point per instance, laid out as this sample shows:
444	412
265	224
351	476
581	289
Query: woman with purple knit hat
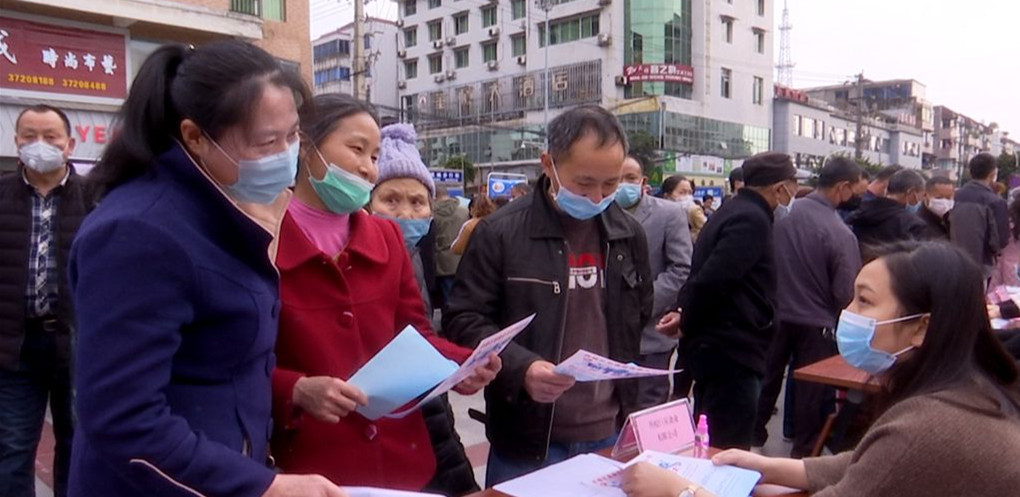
404	193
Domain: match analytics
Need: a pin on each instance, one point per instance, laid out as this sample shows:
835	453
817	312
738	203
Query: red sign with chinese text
57	59
646	73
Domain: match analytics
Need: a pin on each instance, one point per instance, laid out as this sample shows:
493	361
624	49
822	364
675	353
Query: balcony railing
250	7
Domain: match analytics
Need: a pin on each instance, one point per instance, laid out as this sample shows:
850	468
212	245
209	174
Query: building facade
82	56
333	63
902	101
809	130
958	139
695	76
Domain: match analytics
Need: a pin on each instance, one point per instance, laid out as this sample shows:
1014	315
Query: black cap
768	168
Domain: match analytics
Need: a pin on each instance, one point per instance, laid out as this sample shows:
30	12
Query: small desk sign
665	428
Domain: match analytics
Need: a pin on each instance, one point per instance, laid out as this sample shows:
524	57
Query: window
519	45
759	40
761	7
570	30
518	9
331	74
460	23
435	4
368	42
410	69
758	91
488	52
410	7
411	37
724	82
488	16
331	49
461	58
728	27
435	30
435	64
273	10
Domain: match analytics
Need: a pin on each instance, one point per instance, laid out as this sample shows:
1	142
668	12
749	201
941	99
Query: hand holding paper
482	376
326	398
544	383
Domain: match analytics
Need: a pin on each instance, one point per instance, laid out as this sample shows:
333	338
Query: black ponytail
145	123
216	85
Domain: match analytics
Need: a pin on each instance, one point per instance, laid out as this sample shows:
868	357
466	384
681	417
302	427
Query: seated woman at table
952	420
347	289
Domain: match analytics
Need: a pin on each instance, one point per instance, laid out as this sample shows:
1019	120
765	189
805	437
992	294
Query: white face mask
41	157
941	206
686	200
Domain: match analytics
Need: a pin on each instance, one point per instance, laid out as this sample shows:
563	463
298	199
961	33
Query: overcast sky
967	54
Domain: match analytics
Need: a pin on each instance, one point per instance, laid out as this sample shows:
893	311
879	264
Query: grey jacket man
670	249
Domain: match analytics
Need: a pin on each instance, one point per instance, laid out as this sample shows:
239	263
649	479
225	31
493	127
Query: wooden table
836	372
491	492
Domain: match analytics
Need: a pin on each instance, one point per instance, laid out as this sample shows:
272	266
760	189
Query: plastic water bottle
701	441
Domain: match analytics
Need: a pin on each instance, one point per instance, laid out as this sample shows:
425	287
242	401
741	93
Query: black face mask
850	205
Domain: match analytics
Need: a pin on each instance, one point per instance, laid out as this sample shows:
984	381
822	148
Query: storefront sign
58	59
673	73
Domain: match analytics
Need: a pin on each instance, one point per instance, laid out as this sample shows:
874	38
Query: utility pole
859	142
546	6
359	50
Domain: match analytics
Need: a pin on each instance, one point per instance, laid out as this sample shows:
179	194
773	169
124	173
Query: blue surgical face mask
578	206
853	337
261	180
914	208
628	195
412	229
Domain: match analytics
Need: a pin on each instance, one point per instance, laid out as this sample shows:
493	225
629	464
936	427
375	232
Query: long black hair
217	86
670	184
938	278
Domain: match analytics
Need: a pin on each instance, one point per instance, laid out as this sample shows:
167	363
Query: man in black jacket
891	218
728	304
938	202
979	222
568	253
41	206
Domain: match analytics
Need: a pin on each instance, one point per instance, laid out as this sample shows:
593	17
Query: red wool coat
335	316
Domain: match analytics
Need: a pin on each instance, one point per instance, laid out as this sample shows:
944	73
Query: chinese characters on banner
672	73
570	84
57	59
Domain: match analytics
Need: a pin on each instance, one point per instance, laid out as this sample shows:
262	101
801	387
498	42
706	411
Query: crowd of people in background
192	311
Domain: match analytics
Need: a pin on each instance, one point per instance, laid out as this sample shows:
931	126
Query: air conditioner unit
522	59
438	44
604	39
400	23
451	75
494	31
439	78
401	84
622	80
401	53
451	41
493	65
605	2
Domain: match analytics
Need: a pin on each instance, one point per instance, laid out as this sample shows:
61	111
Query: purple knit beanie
399	157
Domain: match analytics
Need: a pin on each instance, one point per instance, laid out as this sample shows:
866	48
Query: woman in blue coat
176	292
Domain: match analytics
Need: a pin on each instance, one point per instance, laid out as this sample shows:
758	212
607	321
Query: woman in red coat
347	288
